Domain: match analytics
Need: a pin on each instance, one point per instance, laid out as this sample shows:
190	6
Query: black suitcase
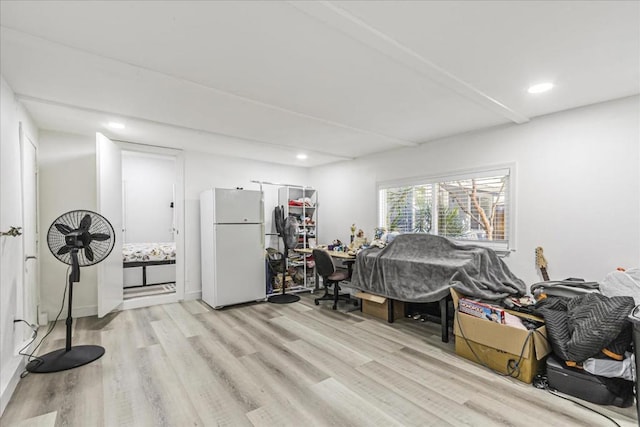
634	317
583	385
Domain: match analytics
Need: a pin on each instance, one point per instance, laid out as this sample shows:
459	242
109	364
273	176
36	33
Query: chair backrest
324	262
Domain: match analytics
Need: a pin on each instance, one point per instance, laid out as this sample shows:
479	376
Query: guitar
541	263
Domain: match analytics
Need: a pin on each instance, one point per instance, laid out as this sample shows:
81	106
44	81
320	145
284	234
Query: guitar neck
541	263
545	275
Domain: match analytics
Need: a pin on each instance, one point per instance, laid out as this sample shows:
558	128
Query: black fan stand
284	298
68	357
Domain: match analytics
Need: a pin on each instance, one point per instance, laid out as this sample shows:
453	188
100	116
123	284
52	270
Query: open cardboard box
376	305
498	346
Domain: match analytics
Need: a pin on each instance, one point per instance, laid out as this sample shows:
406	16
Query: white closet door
109	178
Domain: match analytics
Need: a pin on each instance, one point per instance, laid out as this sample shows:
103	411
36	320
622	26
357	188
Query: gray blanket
422	268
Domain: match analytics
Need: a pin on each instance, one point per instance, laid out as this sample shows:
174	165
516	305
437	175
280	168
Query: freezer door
239	264
237	206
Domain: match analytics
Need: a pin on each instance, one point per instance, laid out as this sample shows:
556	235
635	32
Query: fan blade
100	237
63	250
88	252
64	229
85	223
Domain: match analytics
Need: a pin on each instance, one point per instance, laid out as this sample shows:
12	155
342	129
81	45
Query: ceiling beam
347	23
28	98
388	138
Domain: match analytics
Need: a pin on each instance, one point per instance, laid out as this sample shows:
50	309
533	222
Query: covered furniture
421	268
330	277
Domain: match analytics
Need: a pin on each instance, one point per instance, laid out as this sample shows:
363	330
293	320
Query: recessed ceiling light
540	87
116	125
301	156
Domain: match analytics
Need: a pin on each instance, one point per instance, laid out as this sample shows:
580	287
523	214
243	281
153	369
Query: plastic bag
612	368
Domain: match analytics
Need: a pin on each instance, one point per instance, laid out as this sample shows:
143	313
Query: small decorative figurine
359	241
379	239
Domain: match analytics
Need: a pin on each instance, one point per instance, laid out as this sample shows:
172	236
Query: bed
421	268
143	255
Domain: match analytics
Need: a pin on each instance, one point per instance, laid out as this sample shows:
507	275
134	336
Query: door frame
179	210
22	297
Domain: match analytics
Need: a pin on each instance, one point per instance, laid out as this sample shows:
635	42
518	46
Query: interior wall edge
16	366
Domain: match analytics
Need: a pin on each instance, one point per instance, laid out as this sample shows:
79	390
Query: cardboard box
481	310
499	346
375	305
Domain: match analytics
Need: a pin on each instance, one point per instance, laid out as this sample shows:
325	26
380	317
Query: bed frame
144	265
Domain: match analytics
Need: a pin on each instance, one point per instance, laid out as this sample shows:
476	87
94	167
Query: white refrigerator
232	243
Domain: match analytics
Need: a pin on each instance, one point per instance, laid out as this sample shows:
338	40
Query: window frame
509	169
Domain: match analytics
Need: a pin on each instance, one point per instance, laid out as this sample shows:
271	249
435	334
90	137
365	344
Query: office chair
330	277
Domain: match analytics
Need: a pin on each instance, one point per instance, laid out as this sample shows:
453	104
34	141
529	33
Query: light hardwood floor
265	364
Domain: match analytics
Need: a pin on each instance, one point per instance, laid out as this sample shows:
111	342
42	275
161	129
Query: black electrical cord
52	325
555	393
512	368
34	329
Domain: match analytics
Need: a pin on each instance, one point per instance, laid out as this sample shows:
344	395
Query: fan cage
99	224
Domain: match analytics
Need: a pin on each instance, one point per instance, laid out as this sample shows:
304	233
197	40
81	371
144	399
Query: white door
30	228
109	178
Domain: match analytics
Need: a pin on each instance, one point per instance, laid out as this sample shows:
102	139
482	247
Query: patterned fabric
148	251
580	327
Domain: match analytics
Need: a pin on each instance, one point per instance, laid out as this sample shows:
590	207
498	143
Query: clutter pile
588	328
302	201
591	337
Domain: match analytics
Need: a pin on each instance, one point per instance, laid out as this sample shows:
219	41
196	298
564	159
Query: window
473	206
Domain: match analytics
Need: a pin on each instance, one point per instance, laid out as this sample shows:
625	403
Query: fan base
61	360
283	298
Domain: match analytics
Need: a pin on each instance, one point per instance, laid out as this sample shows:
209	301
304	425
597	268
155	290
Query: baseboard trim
148	301
18	365
192	295
86	311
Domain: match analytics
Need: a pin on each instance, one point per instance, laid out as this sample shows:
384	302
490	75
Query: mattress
140	252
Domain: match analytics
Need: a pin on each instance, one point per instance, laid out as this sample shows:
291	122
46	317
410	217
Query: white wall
70	159
148	193
11	261
67	182
577	186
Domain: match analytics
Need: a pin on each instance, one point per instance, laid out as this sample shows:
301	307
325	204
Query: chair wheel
316	302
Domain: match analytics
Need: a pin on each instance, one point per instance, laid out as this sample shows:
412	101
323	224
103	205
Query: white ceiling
336	80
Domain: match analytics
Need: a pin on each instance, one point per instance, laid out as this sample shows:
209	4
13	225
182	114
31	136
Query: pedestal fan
288	230
79	238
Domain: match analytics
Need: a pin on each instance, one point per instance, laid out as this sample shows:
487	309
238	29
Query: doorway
149	224
141	188
152	212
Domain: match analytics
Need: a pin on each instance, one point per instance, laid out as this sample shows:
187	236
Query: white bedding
137	252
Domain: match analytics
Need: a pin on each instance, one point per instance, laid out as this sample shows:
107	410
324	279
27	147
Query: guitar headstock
540	261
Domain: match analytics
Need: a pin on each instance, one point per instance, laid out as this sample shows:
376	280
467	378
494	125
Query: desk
348	259
334	254
443	303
